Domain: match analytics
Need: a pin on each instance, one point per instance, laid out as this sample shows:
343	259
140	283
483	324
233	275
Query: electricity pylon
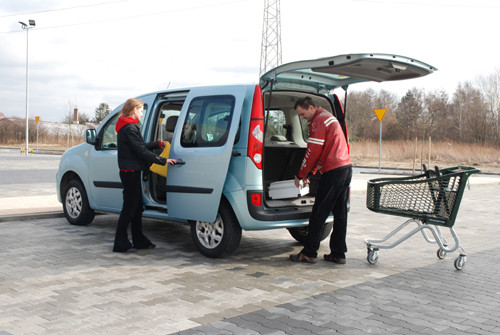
270	55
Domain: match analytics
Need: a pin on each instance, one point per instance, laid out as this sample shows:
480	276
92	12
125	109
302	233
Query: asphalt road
17	169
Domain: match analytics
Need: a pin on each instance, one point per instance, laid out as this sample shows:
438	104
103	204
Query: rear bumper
262	213
252	217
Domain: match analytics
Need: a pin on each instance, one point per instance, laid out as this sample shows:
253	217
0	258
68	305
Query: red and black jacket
133	153
327	146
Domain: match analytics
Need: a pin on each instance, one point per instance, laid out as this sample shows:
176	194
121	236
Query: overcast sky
84	52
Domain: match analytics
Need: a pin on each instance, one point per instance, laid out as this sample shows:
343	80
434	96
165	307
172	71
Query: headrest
171	122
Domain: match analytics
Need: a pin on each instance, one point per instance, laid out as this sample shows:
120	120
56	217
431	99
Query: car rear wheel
76	205
219	238
300	233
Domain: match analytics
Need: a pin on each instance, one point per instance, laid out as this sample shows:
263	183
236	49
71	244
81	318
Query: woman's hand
171	161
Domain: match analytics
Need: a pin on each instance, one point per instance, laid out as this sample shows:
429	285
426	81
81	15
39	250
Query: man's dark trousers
332	197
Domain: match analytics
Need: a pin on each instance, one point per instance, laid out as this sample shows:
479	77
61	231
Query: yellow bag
162	169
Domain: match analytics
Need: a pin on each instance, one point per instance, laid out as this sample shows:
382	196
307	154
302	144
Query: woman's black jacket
133	153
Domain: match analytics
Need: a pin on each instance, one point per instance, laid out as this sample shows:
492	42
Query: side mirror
90	136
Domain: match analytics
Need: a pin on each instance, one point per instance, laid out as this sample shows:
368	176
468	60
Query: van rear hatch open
325	74
286	135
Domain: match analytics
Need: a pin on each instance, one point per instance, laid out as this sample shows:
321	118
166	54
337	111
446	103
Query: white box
287	189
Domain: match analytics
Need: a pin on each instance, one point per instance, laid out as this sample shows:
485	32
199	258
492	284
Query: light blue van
232	142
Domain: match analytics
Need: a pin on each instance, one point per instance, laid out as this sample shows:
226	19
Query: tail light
256	131
256	199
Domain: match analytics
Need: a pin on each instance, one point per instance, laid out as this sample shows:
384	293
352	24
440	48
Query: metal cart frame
431	200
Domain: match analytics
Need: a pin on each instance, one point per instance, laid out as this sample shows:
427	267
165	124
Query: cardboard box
287	189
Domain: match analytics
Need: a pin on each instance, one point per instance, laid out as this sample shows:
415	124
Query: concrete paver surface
56	278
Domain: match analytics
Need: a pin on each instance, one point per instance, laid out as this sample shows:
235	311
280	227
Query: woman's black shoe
150	246
129	250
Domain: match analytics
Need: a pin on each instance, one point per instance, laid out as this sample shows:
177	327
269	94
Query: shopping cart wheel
441	253
372	257
460	262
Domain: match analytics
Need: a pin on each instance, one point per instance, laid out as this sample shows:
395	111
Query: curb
35	216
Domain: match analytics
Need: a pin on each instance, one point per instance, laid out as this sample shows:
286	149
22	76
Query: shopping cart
431	200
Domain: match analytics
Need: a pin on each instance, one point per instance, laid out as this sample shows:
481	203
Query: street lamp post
27	27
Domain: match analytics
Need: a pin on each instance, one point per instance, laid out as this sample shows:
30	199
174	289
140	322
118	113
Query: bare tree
468	104
410	113
358	113
439	116
490	88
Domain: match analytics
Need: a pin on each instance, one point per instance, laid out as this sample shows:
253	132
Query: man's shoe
333	259
300	257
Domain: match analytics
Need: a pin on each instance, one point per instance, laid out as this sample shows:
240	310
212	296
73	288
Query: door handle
179	161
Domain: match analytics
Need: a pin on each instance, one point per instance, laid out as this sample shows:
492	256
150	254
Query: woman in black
134	156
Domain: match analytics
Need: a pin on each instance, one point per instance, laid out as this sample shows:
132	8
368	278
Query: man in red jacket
326	152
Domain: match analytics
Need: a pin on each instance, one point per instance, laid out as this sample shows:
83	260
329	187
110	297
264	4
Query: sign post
380	115
37	118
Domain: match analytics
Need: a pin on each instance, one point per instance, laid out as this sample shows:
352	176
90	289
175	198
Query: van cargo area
285	144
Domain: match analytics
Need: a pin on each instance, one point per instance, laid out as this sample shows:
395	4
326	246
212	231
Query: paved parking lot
61	279
56	278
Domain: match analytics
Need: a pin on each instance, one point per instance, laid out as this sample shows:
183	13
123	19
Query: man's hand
304	181
297	181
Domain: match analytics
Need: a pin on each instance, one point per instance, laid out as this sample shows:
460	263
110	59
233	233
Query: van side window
276	128
207	121
305	129
109	136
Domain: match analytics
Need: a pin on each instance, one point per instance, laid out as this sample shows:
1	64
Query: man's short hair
304	102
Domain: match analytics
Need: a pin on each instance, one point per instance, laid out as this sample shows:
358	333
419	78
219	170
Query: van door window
109	136
207	121
167	119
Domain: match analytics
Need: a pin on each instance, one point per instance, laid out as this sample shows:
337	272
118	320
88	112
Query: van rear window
207	121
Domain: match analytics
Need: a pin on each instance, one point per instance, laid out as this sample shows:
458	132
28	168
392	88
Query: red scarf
123	121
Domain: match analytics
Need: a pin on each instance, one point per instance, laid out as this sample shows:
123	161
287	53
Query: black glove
162	160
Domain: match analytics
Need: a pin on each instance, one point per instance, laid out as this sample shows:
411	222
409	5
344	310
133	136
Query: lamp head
32	23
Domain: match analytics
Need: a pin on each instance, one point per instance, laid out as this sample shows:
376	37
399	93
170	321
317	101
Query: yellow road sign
380	113
37	118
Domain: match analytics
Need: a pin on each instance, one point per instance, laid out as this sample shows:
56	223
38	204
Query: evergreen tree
101	112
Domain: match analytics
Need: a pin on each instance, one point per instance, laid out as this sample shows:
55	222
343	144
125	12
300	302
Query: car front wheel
219	238
76	205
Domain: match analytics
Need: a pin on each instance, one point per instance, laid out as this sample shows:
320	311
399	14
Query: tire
460	262
372	256
219	238
76	204
441	254
300	233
